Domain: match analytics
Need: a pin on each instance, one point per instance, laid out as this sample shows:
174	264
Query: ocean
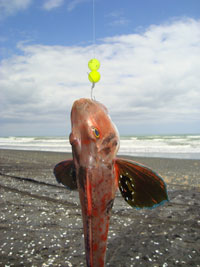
164	146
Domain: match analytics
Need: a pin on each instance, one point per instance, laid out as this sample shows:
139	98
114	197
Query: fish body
97	174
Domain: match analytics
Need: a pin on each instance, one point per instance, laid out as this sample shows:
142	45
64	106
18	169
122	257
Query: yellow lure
94	76
94	64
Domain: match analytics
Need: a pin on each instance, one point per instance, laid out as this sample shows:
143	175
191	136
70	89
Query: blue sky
150	63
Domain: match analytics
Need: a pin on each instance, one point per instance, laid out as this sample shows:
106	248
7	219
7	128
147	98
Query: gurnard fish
97	174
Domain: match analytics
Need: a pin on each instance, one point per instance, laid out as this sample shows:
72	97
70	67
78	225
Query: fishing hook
93	85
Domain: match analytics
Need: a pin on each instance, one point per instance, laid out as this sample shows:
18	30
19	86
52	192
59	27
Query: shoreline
69	154
184	155
41	224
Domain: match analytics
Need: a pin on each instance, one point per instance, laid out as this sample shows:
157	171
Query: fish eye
96	132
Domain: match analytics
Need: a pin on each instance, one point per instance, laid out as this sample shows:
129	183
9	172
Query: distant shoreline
177	156
118	155
156	146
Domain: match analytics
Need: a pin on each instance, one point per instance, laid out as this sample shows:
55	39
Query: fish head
94	138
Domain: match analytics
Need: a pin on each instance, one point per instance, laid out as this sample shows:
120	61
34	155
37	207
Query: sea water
165	146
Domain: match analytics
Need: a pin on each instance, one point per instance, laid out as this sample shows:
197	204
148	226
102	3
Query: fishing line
94	64
94	27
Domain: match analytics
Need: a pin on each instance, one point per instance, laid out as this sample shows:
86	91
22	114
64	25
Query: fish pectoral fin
139	185
65	174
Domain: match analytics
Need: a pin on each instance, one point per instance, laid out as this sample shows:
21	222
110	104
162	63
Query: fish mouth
80	107
84	107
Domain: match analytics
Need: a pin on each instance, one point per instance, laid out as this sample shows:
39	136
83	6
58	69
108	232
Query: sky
150	64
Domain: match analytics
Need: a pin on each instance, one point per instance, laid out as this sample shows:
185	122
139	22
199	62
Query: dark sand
41	225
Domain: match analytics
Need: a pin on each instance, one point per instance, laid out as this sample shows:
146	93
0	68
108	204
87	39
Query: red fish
97	174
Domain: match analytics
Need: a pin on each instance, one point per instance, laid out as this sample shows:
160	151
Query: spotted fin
65	174
140	186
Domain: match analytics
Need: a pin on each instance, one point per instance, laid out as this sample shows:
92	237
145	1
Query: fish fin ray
65	174
139	185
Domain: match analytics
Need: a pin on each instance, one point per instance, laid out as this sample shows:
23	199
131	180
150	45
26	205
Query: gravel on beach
41	224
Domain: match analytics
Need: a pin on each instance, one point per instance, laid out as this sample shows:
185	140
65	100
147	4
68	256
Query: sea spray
165	146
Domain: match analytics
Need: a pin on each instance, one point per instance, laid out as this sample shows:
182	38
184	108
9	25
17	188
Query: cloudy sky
150	64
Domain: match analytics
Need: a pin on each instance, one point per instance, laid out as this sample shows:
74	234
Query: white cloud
149	78
74	3
117	18
71	4
51	4
10	7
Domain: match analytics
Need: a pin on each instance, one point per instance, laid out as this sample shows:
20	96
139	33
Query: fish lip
74	143
76	150
72	139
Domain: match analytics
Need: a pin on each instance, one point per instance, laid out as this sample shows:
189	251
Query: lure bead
94	64
94	76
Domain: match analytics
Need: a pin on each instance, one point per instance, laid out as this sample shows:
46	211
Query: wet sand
41	225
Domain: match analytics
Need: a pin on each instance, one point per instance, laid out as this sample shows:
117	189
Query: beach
41	224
